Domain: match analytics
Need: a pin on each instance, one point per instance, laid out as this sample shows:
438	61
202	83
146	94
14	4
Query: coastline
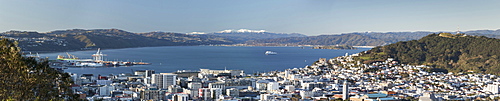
232	45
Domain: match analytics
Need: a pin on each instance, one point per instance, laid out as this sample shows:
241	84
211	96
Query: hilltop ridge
81	39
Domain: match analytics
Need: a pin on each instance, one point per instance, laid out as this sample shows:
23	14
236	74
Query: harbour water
173	58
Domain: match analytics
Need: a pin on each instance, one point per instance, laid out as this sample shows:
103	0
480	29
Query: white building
163	80
493	88
272	86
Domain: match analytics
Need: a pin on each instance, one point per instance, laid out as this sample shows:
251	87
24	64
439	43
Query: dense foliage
455	53
27	78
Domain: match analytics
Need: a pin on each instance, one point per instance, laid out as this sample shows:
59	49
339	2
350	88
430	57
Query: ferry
73	61
271	53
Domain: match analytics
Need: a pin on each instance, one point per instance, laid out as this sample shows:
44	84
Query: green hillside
455	53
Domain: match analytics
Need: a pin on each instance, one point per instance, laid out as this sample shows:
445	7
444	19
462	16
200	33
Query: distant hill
352	39
243	35
487	33
80	39
363	39
445	51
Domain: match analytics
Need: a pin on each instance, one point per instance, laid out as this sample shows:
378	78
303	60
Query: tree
29	78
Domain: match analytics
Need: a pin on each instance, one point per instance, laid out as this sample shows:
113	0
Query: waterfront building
204	72
149	73
186	73
140	72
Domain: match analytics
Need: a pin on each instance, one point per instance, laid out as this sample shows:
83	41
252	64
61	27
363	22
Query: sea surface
172	58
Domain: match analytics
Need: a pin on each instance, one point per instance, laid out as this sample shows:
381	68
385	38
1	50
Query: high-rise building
345	91
149	73
163	80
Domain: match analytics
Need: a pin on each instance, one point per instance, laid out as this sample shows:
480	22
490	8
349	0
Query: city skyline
280	16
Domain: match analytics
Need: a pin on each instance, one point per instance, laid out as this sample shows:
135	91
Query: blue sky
310	17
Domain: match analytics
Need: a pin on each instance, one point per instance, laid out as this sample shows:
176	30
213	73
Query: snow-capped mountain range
242	35
232	31
242	31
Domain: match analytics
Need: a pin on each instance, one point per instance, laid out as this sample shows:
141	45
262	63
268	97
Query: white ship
271	53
